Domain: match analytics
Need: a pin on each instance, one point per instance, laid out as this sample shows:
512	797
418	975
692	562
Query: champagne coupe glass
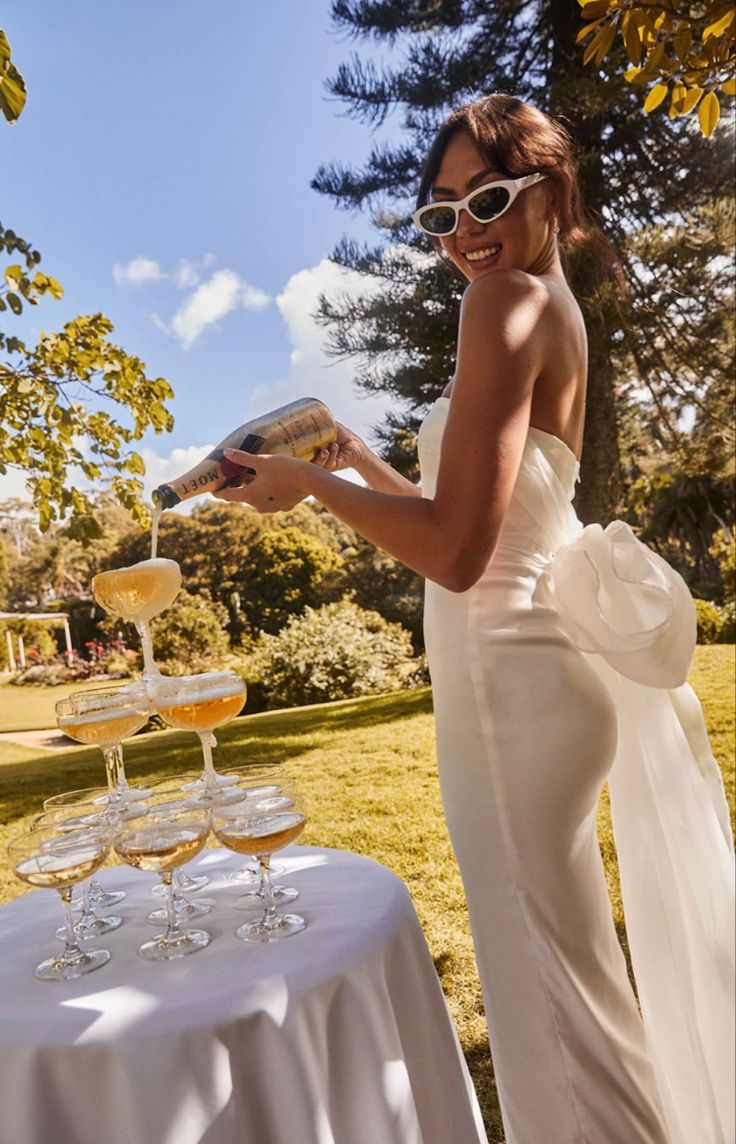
103	717
66	820
165	791
137	594
265	798
200	703
253	780
263	833
100	797
166	838
48	859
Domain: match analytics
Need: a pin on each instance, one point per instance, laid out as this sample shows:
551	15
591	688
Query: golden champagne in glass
170	834
200	703
50	859
260	835
137	594
103	717
262	829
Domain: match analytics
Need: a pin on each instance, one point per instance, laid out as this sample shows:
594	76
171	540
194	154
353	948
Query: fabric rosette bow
619	599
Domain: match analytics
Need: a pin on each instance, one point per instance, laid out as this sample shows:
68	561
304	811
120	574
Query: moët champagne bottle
300	429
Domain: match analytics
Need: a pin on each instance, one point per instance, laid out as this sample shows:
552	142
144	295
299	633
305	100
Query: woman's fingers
328	458
229	494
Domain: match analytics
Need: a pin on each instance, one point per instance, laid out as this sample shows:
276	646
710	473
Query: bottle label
299	429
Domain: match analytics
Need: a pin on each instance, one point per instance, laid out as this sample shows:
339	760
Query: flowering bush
103	661
716	623
338	651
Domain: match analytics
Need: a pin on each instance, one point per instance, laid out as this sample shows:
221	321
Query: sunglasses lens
437	220
489	203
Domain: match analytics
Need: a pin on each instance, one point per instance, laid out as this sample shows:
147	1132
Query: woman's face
521	239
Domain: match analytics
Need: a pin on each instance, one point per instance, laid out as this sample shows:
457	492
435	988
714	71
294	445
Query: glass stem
207	739
116	780
71	949
269	911
149	667
172	925
86	908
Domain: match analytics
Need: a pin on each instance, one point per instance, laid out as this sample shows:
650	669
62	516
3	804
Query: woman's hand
279	483
348	451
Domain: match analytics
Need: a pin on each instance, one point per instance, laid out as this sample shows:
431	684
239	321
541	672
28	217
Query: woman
527	722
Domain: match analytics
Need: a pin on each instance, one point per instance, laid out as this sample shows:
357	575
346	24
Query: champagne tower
300	429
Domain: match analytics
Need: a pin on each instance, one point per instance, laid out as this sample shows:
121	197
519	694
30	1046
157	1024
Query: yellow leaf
655	97
595	9
587	30
632	39
729	87
605	44
718	27
594	44
691	99
709	113
683	44
636	75
654	56
679	91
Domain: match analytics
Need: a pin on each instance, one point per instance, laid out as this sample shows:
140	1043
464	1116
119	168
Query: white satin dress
551	675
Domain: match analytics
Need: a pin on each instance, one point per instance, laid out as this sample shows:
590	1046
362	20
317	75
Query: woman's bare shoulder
503	309
507	299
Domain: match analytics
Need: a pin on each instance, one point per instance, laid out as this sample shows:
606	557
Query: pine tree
638	175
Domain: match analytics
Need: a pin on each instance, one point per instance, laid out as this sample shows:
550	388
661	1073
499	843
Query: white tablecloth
337	1035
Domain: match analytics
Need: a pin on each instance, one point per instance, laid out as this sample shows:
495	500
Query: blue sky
162	167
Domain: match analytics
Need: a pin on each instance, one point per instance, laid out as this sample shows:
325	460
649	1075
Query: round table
337	1035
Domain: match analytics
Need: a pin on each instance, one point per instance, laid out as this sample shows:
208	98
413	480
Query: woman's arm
450	538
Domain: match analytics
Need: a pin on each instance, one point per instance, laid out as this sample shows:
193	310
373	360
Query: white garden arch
54	618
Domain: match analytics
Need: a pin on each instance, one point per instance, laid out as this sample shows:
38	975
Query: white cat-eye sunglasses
487	202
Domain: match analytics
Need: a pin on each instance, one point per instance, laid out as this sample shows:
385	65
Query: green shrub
120	664
338	651
716	623
723	551
43	675
191	635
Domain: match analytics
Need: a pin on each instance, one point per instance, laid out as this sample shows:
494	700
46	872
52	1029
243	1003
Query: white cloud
188	272
137	272
219	295
141	270
313	373
13	485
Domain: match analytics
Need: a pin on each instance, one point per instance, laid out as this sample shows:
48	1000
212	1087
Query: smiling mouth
484	254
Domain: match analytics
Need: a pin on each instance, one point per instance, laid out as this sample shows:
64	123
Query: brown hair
518	139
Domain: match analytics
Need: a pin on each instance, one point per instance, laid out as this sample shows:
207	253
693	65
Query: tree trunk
599	492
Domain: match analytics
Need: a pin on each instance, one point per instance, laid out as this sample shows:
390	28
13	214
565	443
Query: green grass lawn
32	708
367	770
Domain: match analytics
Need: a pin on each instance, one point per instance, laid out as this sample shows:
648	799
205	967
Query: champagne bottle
300	429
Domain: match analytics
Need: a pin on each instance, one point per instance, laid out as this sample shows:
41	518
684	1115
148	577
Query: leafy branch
50	393
12	84
686	52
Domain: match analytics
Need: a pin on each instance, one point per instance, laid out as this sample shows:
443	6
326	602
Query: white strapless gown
553	673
